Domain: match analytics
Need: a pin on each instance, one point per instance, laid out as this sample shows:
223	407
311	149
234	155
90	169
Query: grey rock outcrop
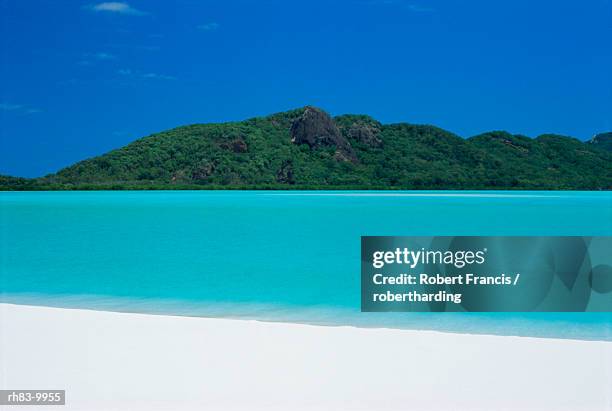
317	129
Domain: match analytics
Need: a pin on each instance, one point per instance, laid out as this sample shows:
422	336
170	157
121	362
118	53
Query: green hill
603	141
306	148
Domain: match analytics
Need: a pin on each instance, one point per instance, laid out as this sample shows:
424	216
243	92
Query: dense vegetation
305	148
603	141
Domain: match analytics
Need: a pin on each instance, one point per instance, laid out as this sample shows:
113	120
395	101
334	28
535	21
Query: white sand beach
115	361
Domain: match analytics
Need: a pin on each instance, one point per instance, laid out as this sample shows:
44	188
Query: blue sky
81	78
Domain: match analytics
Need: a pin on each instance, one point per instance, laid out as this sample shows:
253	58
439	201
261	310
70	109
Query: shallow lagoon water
267	255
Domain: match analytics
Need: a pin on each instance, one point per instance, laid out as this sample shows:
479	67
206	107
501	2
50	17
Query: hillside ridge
307	148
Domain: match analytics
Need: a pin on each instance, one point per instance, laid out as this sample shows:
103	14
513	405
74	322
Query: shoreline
207	363
520	325
291	189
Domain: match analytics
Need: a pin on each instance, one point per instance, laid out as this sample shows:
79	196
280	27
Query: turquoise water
281	256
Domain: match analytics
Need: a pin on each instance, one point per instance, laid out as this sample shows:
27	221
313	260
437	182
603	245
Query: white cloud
116	7
19	108
10	107
103	56
417	8
209	26
157	76
89	58
147	76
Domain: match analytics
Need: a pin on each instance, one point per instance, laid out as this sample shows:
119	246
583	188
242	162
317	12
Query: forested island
308	149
